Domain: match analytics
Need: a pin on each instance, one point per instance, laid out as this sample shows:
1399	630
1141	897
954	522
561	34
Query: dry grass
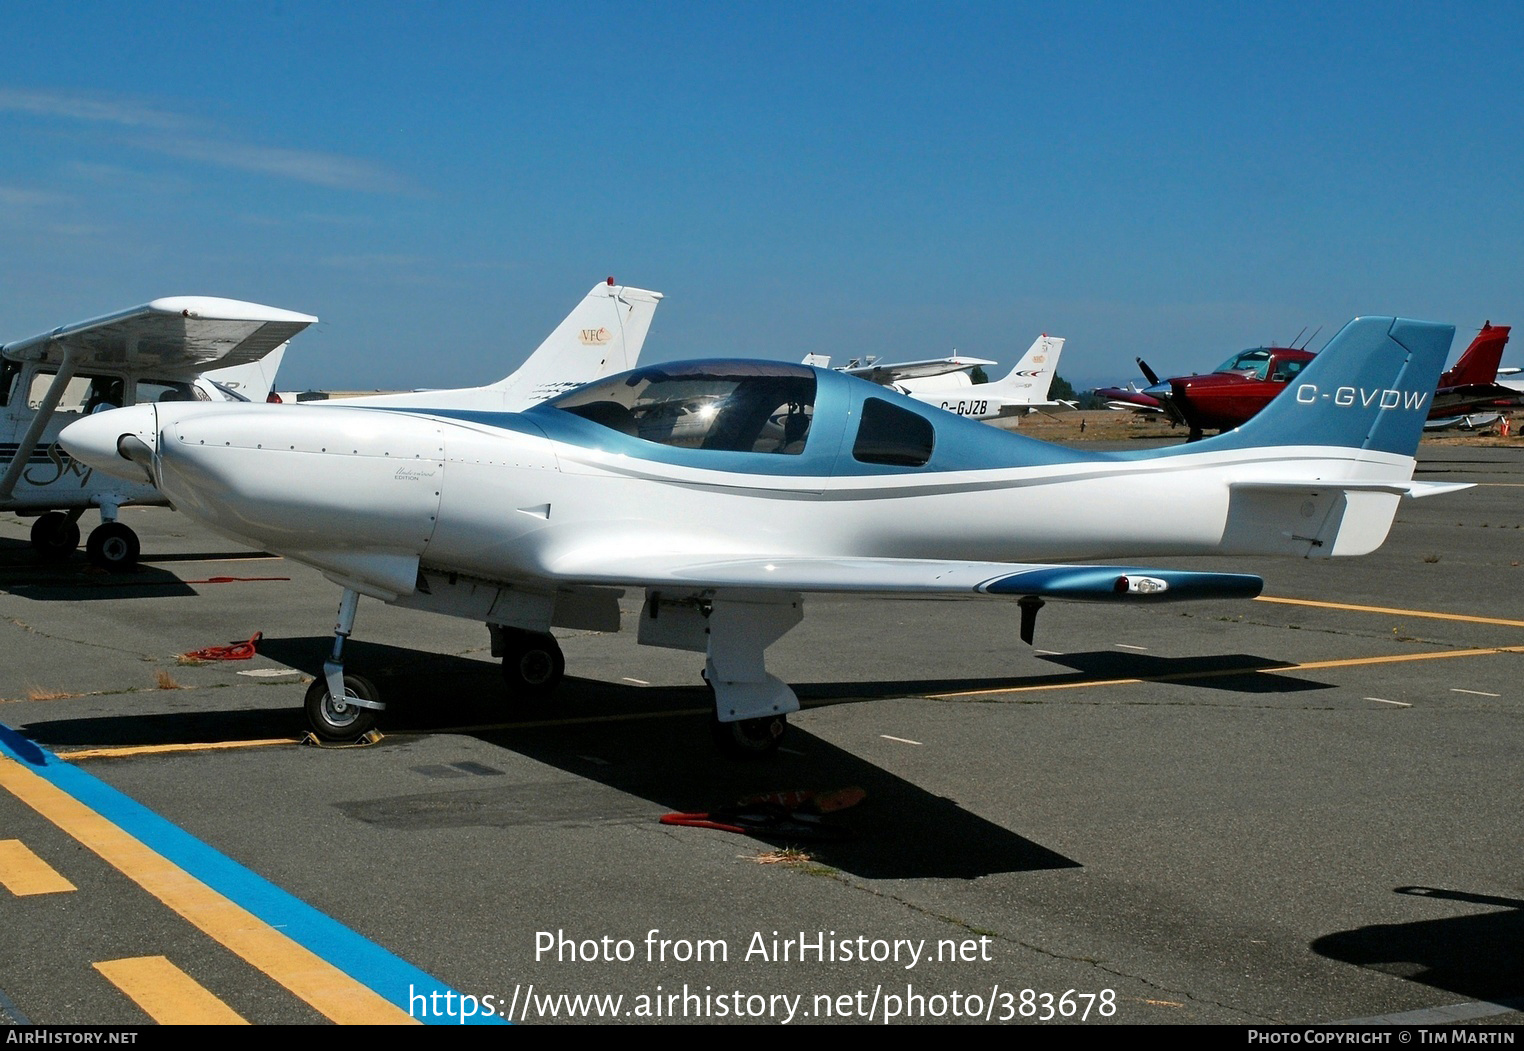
38	693
786	856
165	681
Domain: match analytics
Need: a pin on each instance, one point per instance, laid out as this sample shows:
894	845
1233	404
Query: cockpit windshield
730	406
1254	362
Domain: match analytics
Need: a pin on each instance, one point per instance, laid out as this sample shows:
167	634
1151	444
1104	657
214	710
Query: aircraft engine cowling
354	492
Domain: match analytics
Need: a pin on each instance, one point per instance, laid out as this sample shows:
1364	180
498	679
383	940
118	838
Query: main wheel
341	720
749	738
113	546
54	536
532	663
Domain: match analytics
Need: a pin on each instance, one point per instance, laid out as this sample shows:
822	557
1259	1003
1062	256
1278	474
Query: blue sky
440	183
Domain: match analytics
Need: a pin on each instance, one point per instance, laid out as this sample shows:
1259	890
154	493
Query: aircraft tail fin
1033	374
602	336
253	381
1479	364
1370	388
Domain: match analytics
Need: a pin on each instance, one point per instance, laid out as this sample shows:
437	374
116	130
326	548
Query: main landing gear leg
339	706
751	705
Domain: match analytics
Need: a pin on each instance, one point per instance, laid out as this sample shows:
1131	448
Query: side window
82	395
893	436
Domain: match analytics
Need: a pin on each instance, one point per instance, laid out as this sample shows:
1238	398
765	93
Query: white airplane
785	480
157	352
947	384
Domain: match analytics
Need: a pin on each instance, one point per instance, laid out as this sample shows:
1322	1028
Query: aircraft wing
913	370
909	577
180	336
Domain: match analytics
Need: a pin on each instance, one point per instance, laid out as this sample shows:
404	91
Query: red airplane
1245	383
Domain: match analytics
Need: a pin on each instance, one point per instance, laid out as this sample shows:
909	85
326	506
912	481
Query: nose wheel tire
341	719
749	738
54	536
532	663
113	546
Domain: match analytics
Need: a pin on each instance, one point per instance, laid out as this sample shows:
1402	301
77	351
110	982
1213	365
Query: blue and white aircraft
728	490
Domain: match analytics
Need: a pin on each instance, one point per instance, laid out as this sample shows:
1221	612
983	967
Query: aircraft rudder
602	335
1035	371
1370	388
1479	363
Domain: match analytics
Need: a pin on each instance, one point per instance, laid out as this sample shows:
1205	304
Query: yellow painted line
1428	614
23	872
159	749
1221	673
167	994
308	976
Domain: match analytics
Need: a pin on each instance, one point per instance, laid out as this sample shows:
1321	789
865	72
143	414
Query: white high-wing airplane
946	383
728	490
157	352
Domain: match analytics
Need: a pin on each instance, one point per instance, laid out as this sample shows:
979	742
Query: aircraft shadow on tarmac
75	580
1238	672
1479	957
620	744
78	581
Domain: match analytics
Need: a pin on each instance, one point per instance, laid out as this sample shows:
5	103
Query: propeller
1150	374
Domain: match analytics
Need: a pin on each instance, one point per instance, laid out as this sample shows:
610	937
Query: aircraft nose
121	442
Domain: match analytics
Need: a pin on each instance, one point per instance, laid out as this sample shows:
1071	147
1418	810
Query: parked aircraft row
727	491
948	384
1245	383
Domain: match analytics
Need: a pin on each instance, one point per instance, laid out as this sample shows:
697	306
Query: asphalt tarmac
1300	809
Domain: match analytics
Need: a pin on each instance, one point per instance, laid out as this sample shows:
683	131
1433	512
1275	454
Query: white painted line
269	673
1383	700
1477	693
1123	645
637	682
901	740
1048	653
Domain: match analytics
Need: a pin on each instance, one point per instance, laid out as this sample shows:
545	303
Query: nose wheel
341	718
112	546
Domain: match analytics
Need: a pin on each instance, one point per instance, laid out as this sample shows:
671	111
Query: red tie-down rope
233	651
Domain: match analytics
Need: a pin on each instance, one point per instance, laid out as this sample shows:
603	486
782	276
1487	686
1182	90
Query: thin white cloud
177	136
309	166
79	107
20	197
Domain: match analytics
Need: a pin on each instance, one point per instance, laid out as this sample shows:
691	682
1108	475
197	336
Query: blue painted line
386	974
